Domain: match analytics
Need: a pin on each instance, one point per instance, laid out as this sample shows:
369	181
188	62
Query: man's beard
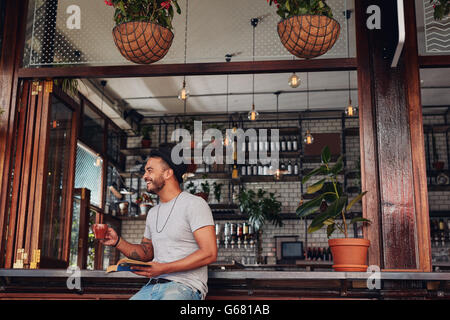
157	185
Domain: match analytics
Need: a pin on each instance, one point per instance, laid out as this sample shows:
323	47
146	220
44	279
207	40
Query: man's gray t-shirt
173	239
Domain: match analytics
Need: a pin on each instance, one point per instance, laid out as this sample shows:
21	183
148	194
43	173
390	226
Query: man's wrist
117	242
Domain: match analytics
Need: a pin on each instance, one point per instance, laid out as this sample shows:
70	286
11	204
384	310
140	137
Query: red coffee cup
100	230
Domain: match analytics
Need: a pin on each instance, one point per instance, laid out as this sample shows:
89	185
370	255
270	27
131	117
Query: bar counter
230	284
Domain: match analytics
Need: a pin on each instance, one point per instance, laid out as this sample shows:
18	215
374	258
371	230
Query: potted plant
331	205
145	203
217	191
205	191
143	32
260	208
307	28
146	132
441	9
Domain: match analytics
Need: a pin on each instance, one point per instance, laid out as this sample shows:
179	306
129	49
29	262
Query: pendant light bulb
294	81
309	139
253	114
351	111
184	93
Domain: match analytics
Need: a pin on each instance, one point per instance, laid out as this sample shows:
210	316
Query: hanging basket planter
142	42
308	36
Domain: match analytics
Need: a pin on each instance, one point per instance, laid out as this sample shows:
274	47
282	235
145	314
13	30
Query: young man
179	237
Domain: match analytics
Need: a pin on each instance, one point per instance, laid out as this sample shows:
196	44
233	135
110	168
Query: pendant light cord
253	59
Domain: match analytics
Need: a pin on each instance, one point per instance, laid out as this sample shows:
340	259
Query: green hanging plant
156	11
290	8
441	9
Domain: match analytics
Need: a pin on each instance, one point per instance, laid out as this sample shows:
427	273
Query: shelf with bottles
239	235
440	240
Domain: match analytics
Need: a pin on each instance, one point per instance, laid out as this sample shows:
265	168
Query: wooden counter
230	284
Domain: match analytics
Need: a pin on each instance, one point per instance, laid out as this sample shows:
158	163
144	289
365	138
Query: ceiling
212	31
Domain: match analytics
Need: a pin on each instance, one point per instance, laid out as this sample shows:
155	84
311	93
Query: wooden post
392	146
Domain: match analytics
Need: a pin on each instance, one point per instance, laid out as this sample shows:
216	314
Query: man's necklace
157	215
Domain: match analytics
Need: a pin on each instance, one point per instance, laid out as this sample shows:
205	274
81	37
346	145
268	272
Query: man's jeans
167	291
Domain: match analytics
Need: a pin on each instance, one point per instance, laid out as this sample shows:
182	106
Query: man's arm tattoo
134	255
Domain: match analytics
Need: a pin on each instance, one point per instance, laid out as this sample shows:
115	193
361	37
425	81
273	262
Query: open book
125	265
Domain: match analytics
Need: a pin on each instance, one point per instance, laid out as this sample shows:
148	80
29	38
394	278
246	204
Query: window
89	173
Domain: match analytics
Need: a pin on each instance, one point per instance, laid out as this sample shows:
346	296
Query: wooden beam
419	168
442	61
192	69
392	143
368	143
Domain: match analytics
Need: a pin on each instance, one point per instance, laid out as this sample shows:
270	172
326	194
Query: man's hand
110	238
153	270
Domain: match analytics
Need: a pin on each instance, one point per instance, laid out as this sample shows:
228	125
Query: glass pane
112	180
55	37
433	35
89	173
55	213
113	147
75	232
93	129
91	242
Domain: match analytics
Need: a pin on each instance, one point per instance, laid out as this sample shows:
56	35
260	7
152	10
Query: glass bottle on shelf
282	167
233	234
260	170
243	170
239	233
226	233
245	234
294	144
283	144
255	170
289	144
249	170
296	168
289	167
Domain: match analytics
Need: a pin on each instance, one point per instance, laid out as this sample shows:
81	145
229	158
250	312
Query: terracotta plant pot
142	42
349	254
146	143
203	195
438	165
308	36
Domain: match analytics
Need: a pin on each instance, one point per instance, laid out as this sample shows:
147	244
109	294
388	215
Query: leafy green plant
70	86
217	190
191	187
205	187
441	9
156	11
146	131
331	201
290	8
260	208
